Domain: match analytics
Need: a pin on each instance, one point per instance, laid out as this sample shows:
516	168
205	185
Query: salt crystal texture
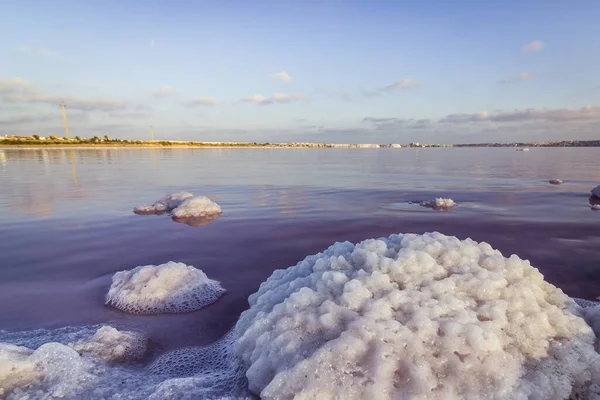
112	345
167	288
439	204
415	317
596	191
196	207
167	203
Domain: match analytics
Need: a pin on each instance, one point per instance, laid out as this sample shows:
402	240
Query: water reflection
197	221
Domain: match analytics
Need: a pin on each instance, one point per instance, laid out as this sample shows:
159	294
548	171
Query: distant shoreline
32	143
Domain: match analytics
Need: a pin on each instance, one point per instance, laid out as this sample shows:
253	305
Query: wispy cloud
257	99
18	90
533	46
554	115
37	51
203	101
128	115
9	85
276	98
394	87
26	119
523	76
287	98
164	91
283	76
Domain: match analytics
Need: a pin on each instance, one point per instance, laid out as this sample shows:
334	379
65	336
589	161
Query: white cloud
533	46
164	91
37	51
523	76
152	43
203	101
283	76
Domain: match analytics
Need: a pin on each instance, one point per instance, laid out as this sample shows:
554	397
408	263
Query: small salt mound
167	203
596	207
415	316
167	288
195	207
596	191
112	345
439	204
556	181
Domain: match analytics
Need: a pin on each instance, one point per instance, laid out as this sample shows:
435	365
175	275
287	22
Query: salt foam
167	288
167	203
439	204
415	316
56	370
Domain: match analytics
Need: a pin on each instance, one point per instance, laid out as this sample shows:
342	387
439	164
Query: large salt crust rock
167	203
415	317
167	288
196	207
596	191
113	345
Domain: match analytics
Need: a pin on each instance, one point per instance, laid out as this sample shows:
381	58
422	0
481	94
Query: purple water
66	220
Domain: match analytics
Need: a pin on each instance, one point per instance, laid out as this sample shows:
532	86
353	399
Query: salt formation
415	317
439	204
167	288
556	181
596	191
110	344
56	370
167	203
596	207
196	207
52	371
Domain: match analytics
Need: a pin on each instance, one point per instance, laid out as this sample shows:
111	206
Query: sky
338	71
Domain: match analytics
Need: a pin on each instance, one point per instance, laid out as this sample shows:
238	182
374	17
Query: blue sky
329	70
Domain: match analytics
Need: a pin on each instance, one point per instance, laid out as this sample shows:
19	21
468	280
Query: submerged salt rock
415	316
596	191
167	203
167	288
439	204
196	207
113	345
555	181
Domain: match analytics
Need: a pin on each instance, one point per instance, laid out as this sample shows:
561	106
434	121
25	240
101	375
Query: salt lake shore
52	141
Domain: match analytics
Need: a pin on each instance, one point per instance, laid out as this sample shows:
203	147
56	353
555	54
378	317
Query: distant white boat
523	149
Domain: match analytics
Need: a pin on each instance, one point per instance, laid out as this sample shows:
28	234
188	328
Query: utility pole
63	105
152	132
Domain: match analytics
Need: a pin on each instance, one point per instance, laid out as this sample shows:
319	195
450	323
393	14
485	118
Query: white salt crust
415	317
167	203
167	288
196	207
439	204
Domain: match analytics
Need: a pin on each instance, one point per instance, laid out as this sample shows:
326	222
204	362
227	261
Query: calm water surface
66	221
